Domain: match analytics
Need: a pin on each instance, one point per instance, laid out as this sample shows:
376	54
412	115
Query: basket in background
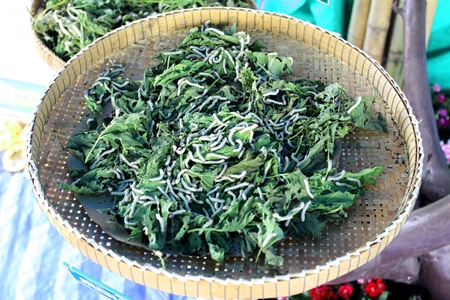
48	55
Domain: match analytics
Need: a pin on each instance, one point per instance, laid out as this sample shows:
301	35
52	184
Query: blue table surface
32	253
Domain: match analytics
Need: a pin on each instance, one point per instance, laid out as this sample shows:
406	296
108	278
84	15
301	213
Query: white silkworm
241	153
173	53
330	165
286	164
239	176
205	162
120	85
210	205
206	74
273	101
123	158
225	166
241	144
218	210
224	62
267	239
206	213
218	60
213	199
218	120
343	184
266	170
214	30
217	186
260	193
111	171
296	110
209	138
193	84
194	55
146	197
297	208
190	188
286	128
245	192
135	190
272	93
180	151
160	177
355	105
161	222
280	218
337	177
355	180
197	151
308	191
254	126
221	145
207	224
164	192
185	200
253	115
305	208
218	156
235	187
128	223
117	193
177	212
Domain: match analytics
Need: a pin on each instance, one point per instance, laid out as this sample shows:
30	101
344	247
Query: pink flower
436	88
361	281
446	149
442	112
440	98
443	122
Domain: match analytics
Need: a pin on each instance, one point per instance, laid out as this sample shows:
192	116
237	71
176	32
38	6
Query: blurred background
32	252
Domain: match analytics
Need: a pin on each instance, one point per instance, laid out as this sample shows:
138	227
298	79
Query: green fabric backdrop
334	15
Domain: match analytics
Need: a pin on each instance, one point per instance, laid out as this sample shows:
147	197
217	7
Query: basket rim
382	239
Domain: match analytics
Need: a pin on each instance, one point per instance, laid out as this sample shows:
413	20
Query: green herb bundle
67	26
213	146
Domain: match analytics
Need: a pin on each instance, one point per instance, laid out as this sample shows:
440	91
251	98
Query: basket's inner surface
370	215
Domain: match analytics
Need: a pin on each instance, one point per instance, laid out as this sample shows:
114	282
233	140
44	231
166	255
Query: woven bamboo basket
372	223
50	57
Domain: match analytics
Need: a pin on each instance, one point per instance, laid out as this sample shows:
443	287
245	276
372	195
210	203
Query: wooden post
431	10
377	28
394	63
358	22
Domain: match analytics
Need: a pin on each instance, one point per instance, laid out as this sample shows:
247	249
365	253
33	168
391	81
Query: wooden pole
358	22
394	63
377	28
431	11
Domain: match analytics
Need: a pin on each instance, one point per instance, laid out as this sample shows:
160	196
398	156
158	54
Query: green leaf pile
213	145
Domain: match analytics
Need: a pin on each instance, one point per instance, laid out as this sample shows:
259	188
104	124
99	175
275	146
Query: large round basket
372	223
